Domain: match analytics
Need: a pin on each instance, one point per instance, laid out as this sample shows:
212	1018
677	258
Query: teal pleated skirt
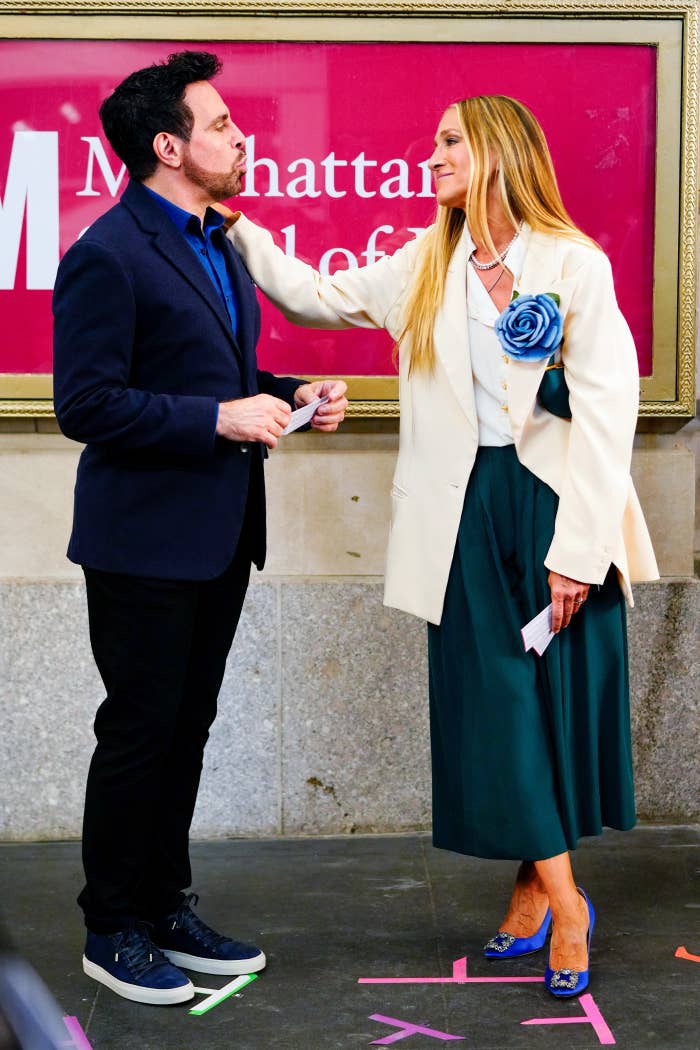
529	753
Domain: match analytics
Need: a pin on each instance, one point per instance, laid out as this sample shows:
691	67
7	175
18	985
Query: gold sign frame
669	25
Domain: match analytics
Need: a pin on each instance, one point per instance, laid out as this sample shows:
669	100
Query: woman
500	506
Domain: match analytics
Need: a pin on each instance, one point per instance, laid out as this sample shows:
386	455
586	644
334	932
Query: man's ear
167	149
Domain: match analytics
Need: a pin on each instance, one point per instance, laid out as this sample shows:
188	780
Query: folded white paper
537	634
301	416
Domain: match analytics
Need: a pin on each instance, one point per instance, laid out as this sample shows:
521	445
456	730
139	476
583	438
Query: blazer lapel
452	332
246	305
541	273
173	247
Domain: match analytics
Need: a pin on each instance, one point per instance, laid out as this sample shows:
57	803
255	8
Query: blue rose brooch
531	328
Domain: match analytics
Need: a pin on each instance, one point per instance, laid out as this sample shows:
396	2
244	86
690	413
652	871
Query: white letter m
32	183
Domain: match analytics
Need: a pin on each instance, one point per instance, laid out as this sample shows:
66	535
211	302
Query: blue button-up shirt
209	253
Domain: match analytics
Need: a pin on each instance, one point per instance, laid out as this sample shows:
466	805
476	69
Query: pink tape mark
459	976
79	1039
681	953
593	1016
406	1028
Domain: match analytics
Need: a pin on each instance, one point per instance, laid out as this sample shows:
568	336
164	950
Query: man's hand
259	418
328	416
567	598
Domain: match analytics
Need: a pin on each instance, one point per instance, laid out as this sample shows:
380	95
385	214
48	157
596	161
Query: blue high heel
565	983
506	946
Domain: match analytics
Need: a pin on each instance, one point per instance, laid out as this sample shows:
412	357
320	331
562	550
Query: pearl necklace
499	260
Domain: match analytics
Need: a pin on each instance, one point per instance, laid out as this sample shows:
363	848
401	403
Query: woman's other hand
567	598
328	416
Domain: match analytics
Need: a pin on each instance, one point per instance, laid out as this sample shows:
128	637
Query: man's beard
218	185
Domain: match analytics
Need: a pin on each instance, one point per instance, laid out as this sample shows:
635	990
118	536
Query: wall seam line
280	717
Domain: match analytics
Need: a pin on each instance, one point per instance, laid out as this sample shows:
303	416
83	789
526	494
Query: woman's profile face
450	163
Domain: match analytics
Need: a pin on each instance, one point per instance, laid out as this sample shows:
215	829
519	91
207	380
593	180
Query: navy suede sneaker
129	963
189	942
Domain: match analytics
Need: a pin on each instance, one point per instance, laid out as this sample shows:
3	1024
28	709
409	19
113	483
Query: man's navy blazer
143	353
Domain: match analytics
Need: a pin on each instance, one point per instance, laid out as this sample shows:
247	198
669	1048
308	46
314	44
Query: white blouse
489	363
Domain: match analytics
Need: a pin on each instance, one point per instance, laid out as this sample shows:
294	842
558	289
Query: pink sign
338	136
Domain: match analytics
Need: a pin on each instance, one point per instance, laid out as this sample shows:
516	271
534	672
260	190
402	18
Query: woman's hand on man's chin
229	216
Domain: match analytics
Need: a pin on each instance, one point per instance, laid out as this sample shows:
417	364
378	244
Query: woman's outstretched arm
368	297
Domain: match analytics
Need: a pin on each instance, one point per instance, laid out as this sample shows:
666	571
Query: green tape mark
225	993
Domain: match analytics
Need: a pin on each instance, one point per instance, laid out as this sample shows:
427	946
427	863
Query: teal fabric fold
528	753
553	393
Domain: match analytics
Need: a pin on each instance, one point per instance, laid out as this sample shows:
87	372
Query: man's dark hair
149	101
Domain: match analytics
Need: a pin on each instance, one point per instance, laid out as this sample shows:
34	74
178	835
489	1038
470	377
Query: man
156	323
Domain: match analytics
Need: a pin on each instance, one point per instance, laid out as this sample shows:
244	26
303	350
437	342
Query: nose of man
237	139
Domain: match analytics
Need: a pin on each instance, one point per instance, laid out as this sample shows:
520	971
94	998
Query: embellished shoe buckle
501	942
565	979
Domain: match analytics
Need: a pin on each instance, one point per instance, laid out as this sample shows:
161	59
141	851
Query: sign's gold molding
559	8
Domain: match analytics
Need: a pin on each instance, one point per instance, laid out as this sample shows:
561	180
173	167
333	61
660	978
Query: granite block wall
322	723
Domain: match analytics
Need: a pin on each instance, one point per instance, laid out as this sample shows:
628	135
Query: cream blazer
586	461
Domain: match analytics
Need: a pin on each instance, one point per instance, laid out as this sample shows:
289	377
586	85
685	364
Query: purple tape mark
459	976
593	1016
407	1028
79	1039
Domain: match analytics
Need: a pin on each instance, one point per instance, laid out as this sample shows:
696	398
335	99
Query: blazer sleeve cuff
200	416
283	387
589	567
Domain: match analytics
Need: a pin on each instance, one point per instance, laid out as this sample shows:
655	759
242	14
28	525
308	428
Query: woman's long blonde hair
492	125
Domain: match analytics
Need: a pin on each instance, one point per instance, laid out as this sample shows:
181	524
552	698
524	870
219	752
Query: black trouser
160	647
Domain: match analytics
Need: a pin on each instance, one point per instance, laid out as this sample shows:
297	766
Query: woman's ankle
526	910
528	878
571	912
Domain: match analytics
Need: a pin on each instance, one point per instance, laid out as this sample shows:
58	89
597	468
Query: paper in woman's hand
537	634
301	416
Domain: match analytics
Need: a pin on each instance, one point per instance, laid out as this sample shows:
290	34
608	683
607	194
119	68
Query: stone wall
322	724
323	714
